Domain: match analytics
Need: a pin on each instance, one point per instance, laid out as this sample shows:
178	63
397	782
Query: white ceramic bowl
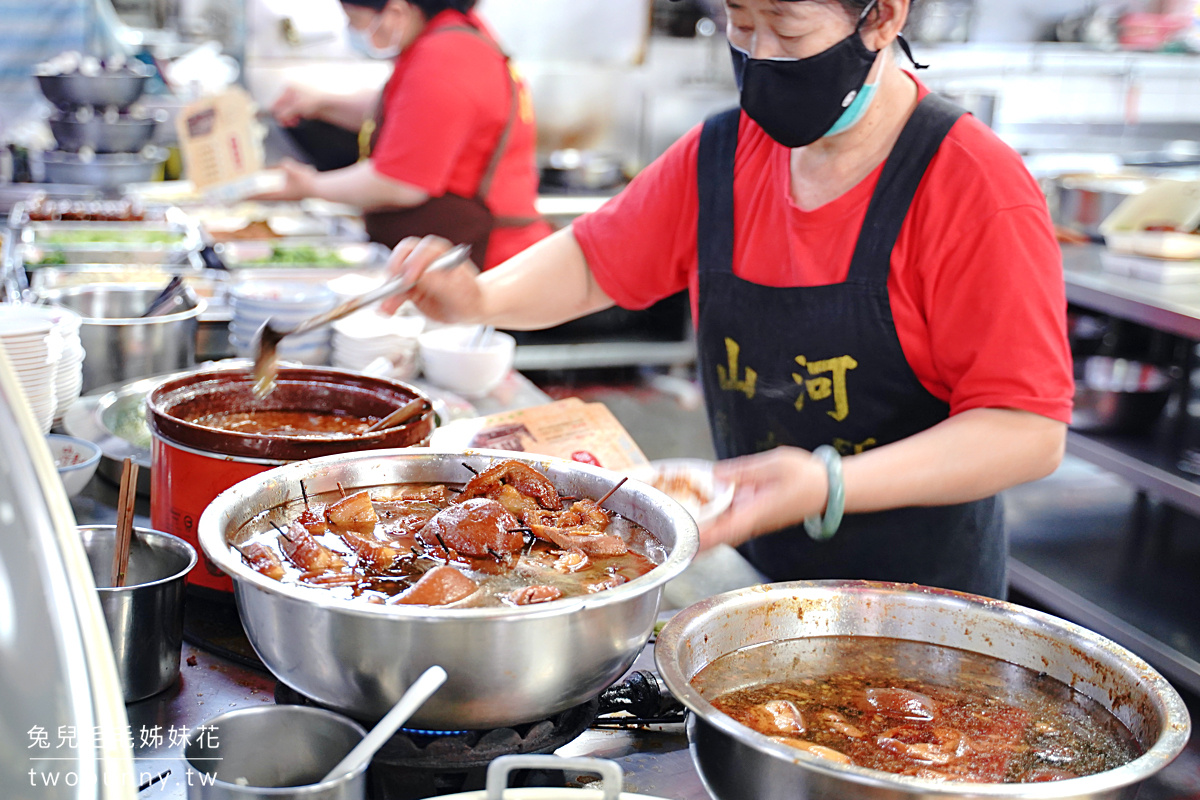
76	460
451	363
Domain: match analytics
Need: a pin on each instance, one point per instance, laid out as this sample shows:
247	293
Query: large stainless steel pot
735	762
119	342
506	665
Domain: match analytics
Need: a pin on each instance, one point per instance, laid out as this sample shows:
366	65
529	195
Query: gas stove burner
415	764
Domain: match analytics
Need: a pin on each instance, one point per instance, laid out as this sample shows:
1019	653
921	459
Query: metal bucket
260	753
145	616
122	345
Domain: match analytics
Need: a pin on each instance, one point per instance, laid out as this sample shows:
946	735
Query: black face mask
797	102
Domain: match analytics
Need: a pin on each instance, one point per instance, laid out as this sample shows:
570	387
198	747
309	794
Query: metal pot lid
498	776
56	664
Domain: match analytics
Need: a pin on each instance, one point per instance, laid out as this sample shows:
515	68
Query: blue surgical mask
362	42
856	110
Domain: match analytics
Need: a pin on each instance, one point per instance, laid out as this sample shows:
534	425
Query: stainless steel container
506	665
122	345
145	616
272	748
1083	201
735	762
116	88
106	171
124	135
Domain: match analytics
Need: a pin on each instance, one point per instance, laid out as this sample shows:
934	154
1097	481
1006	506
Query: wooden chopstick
124	532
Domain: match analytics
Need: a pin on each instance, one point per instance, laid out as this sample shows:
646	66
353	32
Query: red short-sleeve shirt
976	284
445	107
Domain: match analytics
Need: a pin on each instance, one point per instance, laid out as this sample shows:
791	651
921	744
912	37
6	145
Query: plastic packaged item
1161	222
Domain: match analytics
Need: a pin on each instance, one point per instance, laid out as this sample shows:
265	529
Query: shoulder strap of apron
485	183
714	179
932	119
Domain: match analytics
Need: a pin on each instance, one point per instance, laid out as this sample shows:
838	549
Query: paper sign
571	429
220	140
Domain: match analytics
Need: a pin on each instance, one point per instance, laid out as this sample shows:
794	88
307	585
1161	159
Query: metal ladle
412	699
266	340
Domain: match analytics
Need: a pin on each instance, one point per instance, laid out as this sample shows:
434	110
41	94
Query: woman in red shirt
878	296
451	138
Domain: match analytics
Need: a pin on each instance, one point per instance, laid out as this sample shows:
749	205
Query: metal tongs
267	339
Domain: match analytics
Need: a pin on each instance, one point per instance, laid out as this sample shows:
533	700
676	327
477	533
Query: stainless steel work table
1148	462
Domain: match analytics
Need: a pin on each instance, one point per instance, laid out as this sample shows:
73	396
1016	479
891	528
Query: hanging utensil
267	339
165	300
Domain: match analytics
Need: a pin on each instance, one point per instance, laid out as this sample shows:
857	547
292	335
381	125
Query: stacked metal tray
160	237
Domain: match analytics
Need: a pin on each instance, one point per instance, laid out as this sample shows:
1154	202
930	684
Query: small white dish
75	459
449	361
691	483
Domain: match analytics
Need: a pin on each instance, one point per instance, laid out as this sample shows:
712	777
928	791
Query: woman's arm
967	457
357	185
545	285
344	110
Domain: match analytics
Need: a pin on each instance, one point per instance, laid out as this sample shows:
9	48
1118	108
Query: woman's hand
298	183
296	103
446	296
773	490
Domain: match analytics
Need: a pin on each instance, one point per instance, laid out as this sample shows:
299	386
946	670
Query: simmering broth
916	709
505	538
288	423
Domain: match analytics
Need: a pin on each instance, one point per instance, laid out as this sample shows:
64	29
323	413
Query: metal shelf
1150	463
1176	666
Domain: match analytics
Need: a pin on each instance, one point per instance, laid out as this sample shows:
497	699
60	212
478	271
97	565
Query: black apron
462	220
820	365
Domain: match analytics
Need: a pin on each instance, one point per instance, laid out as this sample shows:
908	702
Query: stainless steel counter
656	762
1170	307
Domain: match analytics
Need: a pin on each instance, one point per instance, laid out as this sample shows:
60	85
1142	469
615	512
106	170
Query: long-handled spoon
266	340
412	699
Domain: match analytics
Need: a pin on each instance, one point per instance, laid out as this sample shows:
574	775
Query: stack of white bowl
363	337
286	305
68	380
35	349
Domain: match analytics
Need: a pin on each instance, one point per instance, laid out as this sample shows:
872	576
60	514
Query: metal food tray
18	217
209	284
33	247
306	226
360	257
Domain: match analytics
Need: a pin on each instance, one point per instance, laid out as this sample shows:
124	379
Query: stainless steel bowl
119	88
123	135
105	170
736	762
506	665
119	342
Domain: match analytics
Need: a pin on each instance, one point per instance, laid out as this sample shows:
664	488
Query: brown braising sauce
505	538
288	423
917	709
